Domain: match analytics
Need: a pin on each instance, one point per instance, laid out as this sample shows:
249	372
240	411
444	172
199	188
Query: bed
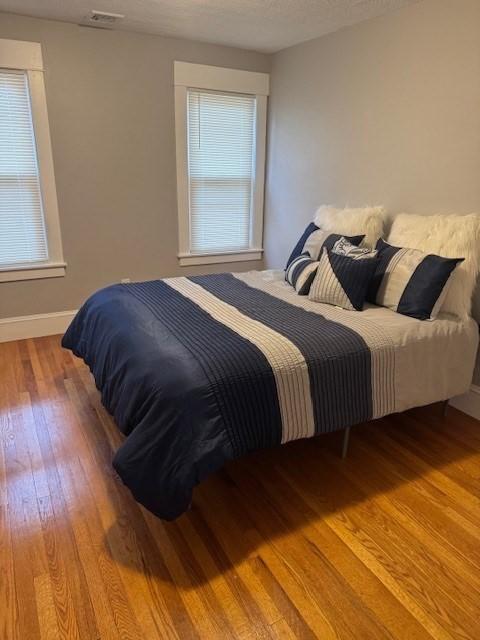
198	371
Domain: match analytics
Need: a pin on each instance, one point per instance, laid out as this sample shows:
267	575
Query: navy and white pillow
409	281
301	272
314	239
342	281
345	248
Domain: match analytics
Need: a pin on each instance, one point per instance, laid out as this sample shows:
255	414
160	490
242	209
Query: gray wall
111	112
384	112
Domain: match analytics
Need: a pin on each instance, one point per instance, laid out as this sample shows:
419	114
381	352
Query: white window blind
22	226
221	169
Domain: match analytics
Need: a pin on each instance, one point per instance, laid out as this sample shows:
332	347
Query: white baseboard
469	403
42	324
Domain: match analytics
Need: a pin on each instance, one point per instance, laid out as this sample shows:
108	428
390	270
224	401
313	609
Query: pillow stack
326	265
436	272
341	277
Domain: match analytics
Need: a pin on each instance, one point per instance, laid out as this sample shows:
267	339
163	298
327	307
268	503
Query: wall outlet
125	280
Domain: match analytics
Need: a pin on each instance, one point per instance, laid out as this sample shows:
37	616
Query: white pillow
352	222
450	236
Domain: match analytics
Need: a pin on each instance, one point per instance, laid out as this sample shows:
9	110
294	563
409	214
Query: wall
383	112
111	112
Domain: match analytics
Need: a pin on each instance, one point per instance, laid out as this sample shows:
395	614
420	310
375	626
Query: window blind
221	169
22	226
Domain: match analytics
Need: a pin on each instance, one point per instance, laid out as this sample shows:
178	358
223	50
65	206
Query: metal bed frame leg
445	407
346	436
346	433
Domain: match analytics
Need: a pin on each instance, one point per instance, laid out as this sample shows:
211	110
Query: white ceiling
262	25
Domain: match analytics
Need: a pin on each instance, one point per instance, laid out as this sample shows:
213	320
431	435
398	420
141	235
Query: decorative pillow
314	239
409	281
350	222
345	248
301	272
448	236
342	281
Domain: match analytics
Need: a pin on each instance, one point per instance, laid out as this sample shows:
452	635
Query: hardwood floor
288	543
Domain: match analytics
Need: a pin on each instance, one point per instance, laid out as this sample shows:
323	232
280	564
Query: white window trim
27	56
198	76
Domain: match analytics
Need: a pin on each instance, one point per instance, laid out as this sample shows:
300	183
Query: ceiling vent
101	19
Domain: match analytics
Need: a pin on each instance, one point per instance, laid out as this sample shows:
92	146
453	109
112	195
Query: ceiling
262	25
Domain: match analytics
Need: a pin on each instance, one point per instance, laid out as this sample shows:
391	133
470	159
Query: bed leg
445	408
346	436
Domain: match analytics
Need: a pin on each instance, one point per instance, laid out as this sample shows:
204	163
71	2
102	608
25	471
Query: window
220	131
221	169
30	245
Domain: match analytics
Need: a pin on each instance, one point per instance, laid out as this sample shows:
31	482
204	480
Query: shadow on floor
293	490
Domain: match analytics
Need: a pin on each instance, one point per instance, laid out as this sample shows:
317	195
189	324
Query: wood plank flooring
288	543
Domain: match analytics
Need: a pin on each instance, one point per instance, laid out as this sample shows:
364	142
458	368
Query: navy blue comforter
197	371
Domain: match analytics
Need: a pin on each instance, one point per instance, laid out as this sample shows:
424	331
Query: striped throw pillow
342	281
313	239
409	281
301	272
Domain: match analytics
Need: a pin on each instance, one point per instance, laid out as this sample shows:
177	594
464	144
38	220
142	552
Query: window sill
32	271
191	259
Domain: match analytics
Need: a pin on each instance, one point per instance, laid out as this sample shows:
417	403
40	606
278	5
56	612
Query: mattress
433	360
200	370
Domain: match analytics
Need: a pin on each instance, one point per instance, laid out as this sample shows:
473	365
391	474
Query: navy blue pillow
315	243
409	281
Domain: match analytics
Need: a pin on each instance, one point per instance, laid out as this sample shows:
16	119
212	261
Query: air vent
102	19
